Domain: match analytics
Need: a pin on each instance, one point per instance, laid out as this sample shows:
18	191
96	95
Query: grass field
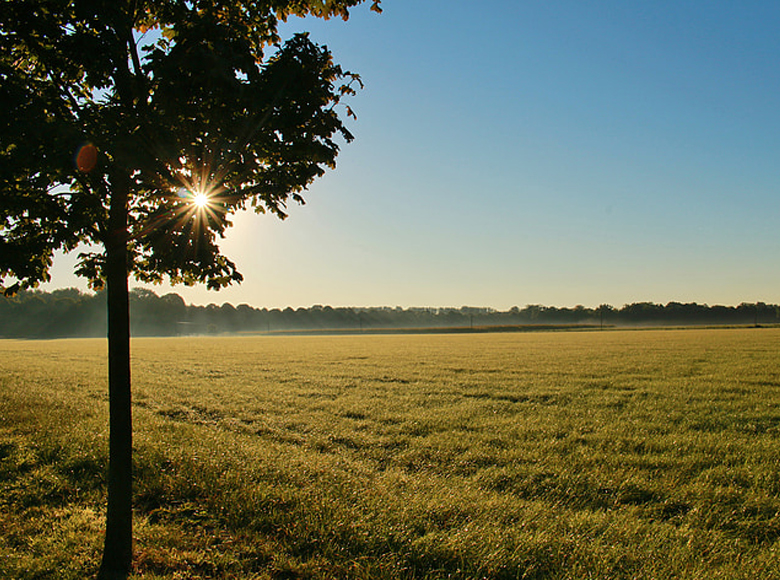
560	455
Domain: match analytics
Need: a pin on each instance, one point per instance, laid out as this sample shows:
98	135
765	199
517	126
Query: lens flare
86	158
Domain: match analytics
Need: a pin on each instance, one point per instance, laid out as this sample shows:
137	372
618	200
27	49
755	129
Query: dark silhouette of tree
138	127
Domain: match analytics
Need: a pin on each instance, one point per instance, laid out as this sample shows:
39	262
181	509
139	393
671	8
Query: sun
200	200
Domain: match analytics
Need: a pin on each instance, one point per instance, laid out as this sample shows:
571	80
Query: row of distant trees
72	313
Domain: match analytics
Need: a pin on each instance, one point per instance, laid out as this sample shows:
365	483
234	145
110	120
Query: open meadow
649	454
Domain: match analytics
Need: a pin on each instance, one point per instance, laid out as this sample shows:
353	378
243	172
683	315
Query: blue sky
558	152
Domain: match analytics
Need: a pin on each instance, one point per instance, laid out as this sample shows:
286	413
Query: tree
137	127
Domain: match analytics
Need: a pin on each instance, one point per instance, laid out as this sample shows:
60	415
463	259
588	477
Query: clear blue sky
558	152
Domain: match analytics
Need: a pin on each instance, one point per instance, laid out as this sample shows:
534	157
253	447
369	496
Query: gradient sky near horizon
511	153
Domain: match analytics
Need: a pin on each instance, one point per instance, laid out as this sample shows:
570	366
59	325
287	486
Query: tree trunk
118	549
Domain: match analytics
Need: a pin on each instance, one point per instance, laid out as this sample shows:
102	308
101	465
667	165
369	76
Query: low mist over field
73	313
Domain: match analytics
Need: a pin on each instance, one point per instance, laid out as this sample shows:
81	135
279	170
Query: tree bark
118	548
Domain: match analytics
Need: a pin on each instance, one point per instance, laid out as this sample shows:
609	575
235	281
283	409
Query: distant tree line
72	313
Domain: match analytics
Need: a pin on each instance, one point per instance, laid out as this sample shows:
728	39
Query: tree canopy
168	100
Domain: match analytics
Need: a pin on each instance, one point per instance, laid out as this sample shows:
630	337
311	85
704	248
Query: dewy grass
640	454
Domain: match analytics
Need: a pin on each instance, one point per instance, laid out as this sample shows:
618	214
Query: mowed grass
636	454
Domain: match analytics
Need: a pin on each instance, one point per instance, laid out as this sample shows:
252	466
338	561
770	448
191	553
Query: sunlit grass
649	454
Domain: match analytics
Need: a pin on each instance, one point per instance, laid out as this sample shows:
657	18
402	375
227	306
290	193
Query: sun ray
195	205
200	192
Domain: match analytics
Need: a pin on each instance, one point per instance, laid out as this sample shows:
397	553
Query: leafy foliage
163	100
